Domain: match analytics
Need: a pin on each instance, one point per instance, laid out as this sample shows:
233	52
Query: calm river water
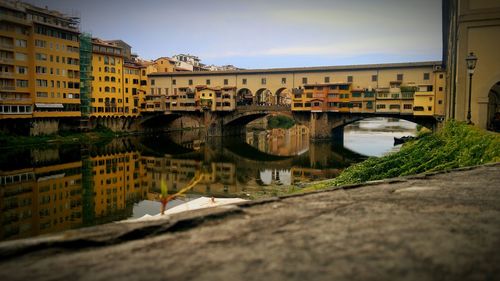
54	188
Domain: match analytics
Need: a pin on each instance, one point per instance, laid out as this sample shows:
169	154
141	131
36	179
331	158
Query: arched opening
244	97
494	108
284	97
264	97
376	136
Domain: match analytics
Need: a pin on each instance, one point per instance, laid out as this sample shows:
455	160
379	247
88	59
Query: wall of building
477	23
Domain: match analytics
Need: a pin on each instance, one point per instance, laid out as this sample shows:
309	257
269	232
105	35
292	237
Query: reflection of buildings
283	142
119	180
37	201
53	198
219	179
105	186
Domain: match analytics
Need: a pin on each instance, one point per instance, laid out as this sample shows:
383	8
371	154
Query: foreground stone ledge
436	226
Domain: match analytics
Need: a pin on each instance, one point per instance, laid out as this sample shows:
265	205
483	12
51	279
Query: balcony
18	20
6	46
7	88
7	60
7	74
22	101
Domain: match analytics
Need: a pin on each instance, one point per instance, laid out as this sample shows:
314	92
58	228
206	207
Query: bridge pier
338	135
319	128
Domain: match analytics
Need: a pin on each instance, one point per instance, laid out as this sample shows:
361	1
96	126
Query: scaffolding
85	79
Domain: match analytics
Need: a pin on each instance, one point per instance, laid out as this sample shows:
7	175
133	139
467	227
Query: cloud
341	49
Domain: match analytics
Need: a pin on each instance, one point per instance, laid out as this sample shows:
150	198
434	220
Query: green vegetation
280	121
456	145
99	133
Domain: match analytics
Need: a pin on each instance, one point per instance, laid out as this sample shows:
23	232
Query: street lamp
471	60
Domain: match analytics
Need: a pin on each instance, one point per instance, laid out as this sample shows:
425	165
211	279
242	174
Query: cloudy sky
267	33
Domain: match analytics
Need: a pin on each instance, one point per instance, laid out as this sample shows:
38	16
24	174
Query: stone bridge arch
264	96
283	96
331	125
244	96
158	120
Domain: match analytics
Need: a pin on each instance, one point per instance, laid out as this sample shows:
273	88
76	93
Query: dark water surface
59	187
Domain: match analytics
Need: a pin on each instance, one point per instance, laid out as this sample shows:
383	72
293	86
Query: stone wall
44	127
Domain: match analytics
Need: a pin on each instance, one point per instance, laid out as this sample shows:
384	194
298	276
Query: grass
456	145
98	133
279	121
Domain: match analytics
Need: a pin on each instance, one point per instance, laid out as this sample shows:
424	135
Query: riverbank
456	145
63	137
440	226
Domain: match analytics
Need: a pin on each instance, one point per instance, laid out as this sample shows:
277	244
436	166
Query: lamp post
471	60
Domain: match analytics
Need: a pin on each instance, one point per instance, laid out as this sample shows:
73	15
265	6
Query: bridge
323	98
322	125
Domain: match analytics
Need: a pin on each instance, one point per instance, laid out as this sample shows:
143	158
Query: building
165	64
472	26
40	68
379	88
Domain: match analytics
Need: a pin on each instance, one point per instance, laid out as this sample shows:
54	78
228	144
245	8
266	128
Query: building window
22	83
440	76
152	82
399	77
440	89
429	108
283	80
426	76
226	81
174	82
327	79
374	78
304	80
190	81
263	81
208	81
349	78
244	81
407	106
440	102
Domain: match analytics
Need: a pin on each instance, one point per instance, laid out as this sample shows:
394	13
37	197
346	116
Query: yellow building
379	88
107	68
164	64
472	26
424	100
217	99
133	92
39	65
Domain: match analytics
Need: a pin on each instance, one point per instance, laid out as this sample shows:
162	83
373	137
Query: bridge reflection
64	187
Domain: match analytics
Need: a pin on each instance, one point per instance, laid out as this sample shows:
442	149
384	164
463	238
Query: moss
456	145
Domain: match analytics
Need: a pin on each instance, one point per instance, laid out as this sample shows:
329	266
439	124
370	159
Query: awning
49	105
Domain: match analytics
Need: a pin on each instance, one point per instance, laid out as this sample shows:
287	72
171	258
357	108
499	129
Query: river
58	187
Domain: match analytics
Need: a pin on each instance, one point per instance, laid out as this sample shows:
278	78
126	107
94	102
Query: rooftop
302	69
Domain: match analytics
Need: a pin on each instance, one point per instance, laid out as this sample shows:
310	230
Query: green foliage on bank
280	121
456	145
99	133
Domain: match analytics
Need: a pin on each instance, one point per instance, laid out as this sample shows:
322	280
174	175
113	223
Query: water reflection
371	136
62	187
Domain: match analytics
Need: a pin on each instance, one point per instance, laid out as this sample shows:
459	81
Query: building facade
39	63
472	26
403	88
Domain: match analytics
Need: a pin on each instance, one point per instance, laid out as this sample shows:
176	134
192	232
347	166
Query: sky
267	33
